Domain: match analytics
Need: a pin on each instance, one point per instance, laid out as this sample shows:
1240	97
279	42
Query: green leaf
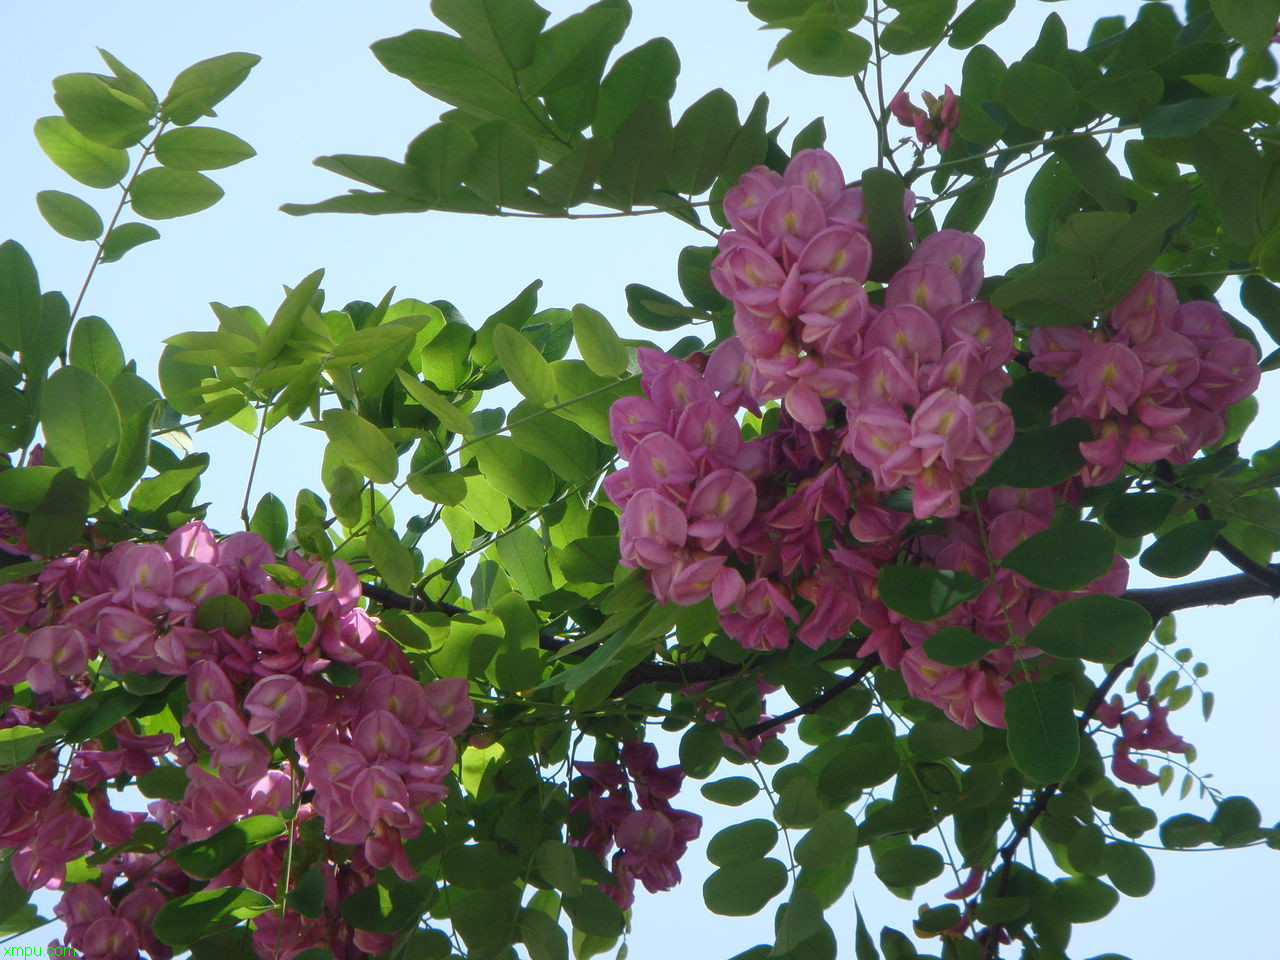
1097	627
570	180
601	348
207	858
1184	118
392	558
124	237
1129	867
1043	735
742	841
1038	97
1094	171
163	194
731	791
184	920
504	164
1084	899
502	32
450	417
201	148
103	114
824	48
1187	830
743	888
1068	556
270	521
202	86
380	909
957	647
654	310
829	841
650	70
360	445
308	895
702	139
523	557
130	82
69	215
79	157
287	316
81	425
153	492
226	612
19	744
642	145
1252	22
95	348
1262	299
20	307
570	58
528	369
591	911
590	559
1042	457
1137	514
908	866
977	20
1181	550
924	594
883	192
567	449
57	500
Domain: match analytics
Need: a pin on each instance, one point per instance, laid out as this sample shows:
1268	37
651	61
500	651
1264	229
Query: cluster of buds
650	835
1139	733
300	704
1154	382
932	124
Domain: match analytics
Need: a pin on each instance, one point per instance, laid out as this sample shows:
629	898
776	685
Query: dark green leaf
977	20
731	791
924	594
1129	867
80	421
226	612
831	840
125	237
654	310
919	24
642	146
1137	514
69	215
202	86
502	32
308	894
381	910
957	647
201	148
1181	550
103	114
908	866
743	888
1085	899
184	920
79	157
593	912
824	49
361	445
702	139
650	70
1038	97
883	193
162	194
1097	627
1184	118
743	841
1068	556
1252	22
207	858
1187	830
20	307
1043	737
504	164
95	348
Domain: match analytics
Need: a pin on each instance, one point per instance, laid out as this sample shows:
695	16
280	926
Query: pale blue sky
319	90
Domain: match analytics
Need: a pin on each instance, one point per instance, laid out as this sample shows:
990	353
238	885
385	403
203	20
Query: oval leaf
361	445
69	215
1044	739
924	594
601	348
528	369
743	888
185	920
1067	556
201	148
207	858
79	157
1097	627
162	194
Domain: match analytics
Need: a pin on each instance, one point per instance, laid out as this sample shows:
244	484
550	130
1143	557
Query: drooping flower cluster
917	379
1139	733
1154	382
650	835
274	655
932	124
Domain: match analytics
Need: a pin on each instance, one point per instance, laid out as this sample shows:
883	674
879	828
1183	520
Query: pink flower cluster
917	380
1139	733
932	124
310	671
651	836
1154	382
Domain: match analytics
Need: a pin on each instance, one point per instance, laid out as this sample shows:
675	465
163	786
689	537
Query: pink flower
276	706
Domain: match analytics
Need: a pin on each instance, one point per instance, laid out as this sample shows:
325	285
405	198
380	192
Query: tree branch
1161	601
812	706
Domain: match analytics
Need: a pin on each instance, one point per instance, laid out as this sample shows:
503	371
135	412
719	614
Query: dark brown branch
812	706
1161	601
1040	803
398	601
